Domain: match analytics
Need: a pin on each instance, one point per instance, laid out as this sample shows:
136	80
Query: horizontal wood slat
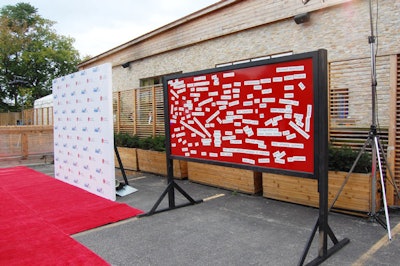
156	162
25	141
139	111
354	137
356	195
230	178
397	126
350	92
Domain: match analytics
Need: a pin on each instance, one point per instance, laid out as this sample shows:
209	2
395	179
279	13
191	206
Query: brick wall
253	28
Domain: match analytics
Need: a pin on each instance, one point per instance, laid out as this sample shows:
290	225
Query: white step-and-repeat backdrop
83	130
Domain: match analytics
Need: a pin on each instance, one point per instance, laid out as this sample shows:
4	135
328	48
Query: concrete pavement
230	229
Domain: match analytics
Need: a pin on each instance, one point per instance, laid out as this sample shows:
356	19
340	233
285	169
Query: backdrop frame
320	148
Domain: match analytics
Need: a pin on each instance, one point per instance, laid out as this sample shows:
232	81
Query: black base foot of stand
330	252
170	190
122	189
324	252
376	218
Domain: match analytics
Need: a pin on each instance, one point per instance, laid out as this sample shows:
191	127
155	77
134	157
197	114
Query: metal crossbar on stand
376	147
170	191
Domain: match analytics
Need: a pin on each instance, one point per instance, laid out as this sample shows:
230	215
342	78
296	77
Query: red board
257	116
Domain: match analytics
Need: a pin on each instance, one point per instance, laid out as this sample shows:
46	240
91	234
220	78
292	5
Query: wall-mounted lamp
305	1
125	65
301	18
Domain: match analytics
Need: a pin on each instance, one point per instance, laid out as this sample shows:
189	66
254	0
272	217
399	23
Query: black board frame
320	113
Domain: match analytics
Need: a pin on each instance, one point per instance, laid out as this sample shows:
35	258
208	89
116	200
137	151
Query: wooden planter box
128	157
356	195
225	177
156	162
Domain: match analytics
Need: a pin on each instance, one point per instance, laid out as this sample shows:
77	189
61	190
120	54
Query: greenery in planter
156	143
126	140
342	159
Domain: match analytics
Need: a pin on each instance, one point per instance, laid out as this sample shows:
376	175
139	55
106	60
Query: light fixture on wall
125	65
301	18
305	2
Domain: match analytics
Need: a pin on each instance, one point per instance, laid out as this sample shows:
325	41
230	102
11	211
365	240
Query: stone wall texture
236	30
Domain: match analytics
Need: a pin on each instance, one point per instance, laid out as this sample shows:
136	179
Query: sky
100	25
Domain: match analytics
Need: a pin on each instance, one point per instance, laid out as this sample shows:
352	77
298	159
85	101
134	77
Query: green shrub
159	143
146	143
156	143
126	140
342	159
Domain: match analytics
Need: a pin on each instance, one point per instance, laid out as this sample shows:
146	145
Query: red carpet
38	213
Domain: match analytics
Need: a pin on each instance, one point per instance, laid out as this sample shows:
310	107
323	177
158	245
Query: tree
32	54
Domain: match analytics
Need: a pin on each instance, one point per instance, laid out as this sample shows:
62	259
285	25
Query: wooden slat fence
355	137
9	118
395	138
38	116
25	141
139	111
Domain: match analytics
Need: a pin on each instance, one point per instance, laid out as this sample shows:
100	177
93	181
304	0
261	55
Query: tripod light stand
374	142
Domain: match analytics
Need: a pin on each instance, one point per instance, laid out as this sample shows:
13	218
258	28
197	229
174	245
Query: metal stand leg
373	141
121	166
349	173
383	189
391	176
325	254
170	190
125	189
376	160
